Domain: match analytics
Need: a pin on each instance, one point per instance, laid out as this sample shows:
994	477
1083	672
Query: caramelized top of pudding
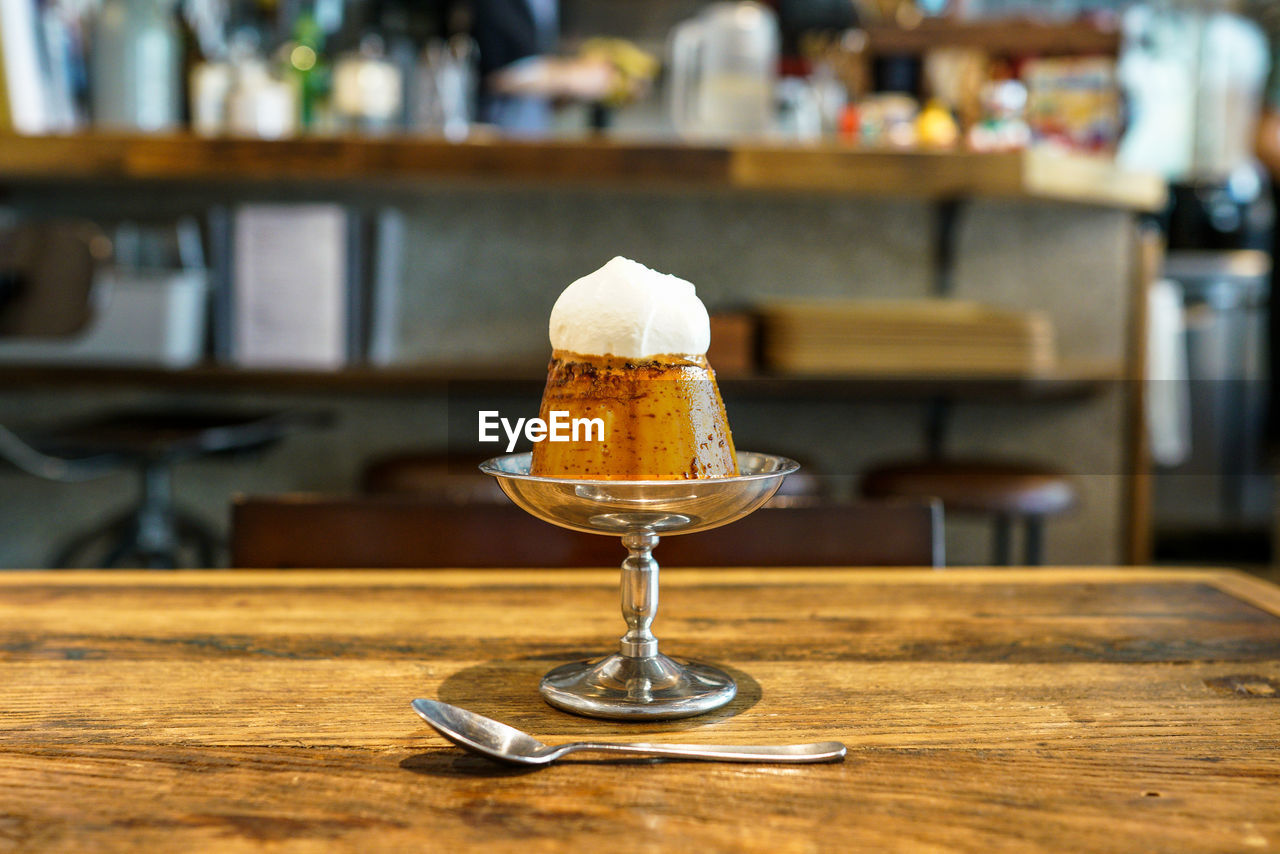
663	418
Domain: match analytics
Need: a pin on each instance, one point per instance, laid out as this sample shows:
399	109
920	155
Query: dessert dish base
648	688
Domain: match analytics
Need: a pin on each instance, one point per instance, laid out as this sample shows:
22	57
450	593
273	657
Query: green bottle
310	67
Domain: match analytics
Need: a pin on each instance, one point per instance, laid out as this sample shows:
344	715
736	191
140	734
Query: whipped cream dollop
625	309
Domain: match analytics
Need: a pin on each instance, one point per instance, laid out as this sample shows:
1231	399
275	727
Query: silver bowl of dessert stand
638	682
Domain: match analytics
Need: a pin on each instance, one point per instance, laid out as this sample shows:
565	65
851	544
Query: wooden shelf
1070	380
413	164
1002	37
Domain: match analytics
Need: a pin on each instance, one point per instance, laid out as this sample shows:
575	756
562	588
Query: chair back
393	531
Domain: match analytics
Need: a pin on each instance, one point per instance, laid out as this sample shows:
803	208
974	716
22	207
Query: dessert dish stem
639	595
638	682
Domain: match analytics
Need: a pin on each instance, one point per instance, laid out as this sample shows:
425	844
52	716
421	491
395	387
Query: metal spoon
508	744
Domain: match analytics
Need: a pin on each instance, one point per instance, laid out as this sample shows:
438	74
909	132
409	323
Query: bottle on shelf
445	88
304	61
367	89
259	103
136	66
208	93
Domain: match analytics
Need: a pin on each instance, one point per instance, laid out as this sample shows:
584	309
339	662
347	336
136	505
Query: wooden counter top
1070	380
412	163
987	710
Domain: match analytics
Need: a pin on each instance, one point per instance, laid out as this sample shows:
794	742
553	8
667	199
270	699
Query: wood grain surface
1020	710
408	163
1068	379
1002	36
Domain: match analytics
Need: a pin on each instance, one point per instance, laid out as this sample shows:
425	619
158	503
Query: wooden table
1051	710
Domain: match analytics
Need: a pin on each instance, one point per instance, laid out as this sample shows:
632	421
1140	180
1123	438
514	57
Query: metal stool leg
1034	545
157	532
1002	550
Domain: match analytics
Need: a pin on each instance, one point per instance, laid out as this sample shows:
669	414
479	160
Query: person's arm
579	78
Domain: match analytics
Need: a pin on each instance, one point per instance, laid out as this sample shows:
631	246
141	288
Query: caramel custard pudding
663	415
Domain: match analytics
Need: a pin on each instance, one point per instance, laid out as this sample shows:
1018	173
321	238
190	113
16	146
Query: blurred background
1003	250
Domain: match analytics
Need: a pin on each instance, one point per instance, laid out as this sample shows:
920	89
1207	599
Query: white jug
724	65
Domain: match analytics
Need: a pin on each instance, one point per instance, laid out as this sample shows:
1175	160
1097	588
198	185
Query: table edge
1233	581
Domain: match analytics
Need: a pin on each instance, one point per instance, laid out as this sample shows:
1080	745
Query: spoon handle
823	751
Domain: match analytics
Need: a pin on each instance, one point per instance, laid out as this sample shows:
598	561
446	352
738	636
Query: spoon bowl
503	743
482	735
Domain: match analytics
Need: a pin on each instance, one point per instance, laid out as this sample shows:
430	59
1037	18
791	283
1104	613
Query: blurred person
521	77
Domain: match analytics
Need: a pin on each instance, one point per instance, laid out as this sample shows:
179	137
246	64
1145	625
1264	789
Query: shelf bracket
946	220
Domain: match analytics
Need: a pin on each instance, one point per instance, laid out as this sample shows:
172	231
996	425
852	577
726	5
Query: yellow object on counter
936	127
636	68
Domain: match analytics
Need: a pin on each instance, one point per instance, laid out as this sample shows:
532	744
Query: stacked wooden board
909	337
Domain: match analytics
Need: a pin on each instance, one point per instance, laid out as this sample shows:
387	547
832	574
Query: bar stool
154	533
1006	492
48	291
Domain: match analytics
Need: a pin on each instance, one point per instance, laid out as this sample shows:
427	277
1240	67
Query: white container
136	66
258	105
210	89
368	91
724	68
152	318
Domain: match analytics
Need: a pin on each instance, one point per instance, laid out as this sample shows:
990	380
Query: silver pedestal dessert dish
638	682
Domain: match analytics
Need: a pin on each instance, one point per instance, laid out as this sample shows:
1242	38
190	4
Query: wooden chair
440	476
317	531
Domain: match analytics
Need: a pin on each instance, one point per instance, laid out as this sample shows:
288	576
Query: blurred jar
367	89
723	71
1194	80
136	66
1234	59
260	105
1002	125
446	88
831	96
888	120
210	88
799	110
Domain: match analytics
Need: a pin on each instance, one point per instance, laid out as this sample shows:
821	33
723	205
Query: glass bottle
136	66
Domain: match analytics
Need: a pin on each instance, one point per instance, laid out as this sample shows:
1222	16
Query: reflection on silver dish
638	682
621	523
